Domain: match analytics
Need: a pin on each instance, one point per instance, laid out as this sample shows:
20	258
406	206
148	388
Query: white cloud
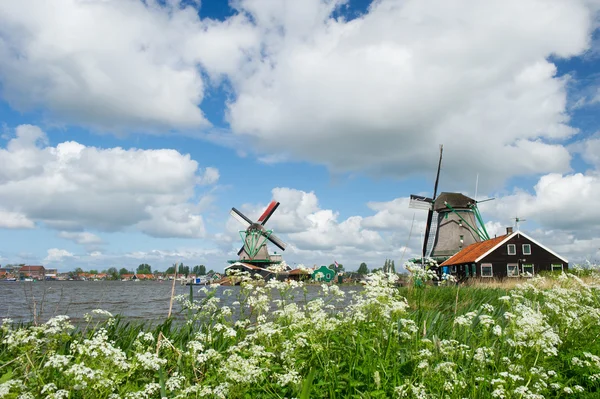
81	237
210	176
58	255
307	228
559	202
116	64
378	93
394	215
73	187
14	220
375	94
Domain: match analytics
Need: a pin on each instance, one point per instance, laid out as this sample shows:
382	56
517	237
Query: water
141	301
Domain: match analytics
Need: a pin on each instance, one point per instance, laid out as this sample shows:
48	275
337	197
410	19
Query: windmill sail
419	202
430	213
432	234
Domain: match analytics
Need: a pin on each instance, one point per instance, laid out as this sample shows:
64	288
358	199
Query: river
142	301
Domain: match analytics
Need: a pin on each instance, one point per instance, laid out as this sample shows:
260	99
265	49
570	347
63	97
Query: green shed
323	273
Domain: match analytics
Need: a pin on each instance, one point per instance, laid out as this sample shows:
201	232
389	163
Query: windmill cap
455	200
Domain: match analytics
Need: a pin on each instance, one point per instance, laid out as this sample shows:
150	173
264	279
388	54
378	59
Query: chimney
509	230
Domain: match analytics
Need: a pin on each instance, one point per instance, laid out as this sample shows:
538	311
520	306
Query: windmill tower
453	221
456	224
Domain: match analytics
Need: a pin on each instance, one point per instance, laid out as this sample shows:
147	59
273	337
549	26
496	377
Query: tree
78	270
199	270
144	268
170	270
363	269
338	268
185	270
93	271
113	273
123	271
393	268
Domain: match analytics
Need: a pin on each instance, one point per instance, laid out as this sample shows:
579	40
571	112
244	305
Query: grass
537	340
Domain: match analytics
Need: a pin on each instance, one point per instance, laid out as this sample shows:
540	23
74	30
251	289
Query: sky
130	128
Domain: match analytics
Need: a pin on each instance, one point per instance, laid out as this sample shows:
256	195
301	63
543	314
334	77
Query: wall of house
539	257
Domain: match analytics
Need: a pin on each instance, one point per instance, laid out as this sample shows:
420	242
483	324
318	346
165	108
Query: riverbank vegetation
540	339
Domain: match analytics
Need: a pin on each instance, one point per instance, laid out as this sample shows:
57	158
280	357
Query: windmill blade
277	241
419	202
240	217
268	212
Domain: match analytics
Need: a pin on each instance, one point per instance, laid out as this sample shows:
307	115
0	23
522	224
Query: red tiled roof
473	251
299	271
246	265
32	268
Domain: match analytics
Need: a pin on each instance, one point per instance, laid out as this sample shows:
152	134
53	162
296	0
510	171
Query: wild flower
149	360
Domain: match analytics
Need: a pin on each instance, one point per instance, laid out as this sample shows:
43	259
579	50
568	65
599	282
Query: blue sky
130	129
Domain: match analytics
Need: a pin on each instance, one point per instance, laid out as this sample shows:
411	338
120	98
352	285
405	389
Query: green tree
144	268
171	269
363	269
338	268
199	270
93	271
185	270
123	271
113	273
79	270
392	268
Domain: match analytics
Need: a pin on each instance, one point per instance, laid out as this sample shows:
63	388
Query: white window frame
523	248
491	270
516	268
554	265
514	247
523	270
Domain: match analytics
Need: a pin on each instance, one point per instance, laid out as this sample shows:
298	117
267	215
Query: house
512	255
34	272
300	274
51	274
247	267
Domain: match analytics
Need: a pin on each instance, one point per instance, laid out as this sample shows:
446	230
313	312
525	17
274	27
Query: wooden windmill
453	221
255	236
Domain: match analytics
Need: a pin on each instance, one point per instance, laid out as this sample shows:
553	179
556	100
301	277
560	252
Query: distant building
512	255
34	272
51	274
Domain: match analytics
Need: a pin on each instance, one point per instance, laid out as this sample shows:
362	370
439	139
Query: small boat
198	281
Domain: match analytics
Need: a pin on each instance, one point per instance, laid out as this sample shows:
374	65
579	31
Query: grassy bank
538	340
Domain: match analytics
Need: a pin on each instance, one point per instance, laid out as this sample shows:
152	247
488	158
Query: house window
528	270
557	267
526	249
512	270
486	270
512	249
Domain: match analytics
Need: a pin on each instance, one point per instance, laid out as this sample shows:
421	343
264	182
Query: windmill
255	236
453	221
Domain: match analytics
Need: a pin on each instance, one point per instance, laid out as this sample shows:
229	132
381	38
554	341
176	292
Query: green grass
539	340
